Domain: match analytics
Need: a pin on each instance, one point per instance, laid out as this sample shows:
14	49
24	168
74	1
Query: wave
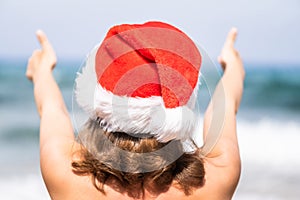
270	141
270	159
26	187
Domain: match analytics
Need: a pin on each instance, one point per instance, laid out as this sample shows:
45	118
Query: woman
72	169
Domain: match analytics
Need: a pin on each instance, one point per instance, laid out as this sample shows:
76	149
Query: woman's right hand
229	57
42	60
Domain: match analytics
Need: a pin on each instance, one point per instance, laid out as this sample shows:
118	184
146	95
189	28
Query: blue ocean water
268	126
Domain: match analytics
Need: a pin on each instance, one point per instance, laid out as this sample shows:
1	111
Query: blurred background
268	41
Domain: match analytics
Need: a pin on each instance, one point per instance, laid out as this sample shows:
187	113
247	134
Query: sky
269	30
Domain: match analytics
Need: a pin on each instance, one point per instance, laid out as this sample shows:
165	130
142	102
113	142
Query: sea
268	125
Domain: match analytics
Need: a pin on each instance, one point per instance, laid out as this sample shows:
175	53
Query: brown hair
142	166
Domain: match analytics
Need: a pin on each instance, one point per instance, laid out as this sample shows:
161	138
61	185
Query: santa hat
142	79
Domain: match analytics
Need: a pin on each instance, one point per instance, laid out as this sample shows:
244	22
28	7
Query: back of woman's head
134	164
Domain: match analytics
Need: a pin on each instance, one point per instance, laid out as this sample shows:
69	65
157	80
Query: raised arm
227	96
222	153
55	121
56	132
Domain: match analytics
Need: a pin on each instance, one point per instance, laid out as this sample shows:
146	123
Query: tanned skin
57	140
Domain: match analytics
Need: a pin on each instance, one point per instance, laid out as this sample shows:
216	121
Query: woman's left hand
42	60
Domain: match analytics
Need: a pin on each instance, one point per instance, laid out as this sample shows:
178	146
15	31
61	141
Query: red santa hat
142	79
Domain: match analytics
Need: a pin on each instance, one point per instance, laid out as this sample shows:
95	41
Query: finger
41	36
231	37
28	74
36	52
43	40
222	62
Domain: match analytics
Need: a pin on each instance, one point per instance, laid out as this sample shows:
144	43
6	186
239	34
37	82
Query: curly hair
142	166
